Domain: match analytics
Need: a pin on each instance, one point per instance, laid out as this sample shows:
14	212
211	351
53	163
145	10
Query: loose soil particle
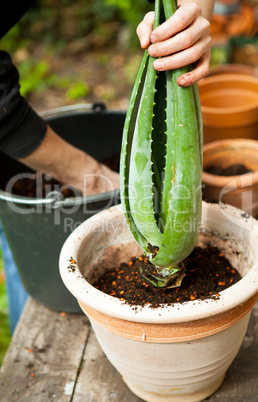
233	170
208	272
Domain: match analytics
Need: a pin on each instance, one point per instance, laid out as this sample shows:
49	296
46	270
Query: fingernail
145	41
152	51
182	82
159	65
153	39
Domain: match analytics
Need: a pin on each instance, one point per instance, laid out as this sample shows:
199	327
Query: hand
181	40
94	177
70	165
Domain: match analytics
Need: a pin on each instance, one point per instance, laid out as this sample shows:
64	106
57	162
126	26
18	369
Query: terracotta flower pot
229	105
174	353
240	191
233	69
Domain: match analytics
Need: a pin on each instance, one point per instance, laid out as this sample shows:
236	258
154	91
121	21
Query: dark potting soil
40	185
112	162
233	170
207	272
207	199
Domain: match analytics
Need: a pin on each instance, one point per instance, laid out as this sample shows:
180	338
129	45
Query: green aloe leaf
161	166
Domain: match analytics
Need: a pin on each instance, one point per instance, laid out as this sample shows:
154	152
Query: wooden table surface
56	357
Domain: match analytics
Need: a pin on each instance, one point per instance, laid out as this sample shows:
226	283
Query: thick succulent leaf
127	139
140	174
170	149
199	119
184	206
181	196
159	143
170	7
161	160
137	181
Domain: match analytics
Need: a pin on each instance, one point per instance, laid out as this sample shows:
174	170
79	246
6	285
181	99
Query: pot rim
229	68
243	290
235	181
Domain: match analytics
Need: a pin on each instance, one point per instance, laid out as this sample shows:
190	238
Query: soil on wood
233	170
207	272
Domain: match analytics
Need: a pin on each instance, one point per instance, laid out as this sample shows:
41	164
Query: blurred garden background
70	52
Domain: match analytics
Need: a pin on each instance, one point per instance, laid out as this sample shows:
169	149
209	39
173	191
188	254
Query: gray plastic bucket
37	228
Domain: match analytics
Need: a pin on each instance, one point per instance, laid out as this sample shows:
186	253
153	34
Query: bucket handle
56	199
24	200
73	201
97	107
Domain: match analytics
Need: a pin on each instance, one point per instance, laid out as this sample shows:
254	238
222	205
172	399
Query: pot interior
229	93
229	98
231	153
104	241
118	246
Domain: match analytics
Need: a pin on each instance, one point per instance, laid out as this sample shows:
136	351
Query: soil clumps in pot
233	170
207	272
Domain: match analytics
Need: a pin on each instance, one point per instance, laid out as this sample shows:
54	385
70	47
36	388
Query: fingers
182	40
200	71
200	28
183	17
144	30
184	57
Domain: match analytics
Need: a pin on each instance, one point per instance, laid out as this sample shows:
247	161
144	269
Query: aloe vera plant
161	166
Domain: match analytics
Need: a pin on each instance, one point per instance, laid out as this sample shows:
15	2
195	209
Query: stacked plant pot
229	104
223	161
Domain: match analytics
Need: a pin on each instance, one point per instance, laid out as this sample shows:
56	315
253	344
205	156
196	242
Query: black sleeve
11	12
21	129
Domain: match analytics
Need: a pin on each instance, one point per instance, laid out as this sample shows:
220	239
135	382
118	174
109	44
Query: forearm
57	157
70	165
206	6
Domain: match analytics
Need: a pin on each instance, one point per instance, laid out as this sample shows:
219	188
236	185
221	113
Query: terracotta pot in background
229	104
240	191
234	69
171	353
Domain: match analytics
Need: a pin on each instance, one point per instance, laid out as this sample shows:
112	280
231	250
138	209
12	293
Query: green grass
5	336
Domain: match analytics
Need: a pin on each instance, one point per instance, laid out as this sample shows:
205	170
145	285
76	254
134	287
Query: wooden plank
46	350
57	358
98	380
